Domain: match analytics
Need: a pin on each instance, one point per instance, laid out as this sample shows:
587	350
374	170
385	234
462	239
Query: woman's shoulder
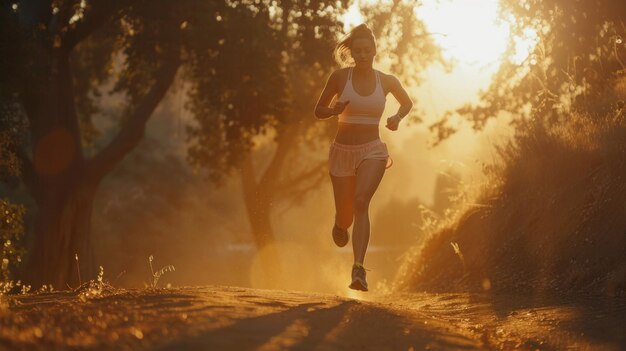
388	80
386	76
340	72
339	77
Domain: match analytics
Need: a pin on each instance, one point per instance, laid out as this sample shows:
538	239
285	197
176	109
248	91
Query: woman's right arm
322	111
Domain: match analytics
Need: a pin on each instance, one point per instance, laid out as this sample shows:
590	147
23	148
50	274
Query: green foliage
12	129
11	231
237	87
149	35
93	62
12	134
580	56
244	73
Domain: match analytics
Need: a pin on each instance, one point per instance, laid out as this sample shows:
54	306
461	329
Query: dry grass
552	219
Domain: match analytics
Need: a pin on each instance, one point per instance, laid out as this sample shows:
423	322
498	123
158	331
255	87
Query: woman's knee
361	203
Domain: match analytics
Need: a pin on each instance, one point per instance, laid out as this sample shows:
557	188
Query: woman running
358	158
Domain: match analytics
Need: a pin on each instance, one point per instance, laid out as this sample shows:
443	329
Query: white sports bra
362	109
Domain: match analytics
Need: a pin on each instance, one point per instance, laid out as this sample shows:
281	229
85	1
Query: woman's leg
343	188
368	177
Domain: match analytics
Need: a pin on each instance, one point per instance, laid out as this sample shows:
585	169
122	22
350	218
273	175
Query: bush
551	220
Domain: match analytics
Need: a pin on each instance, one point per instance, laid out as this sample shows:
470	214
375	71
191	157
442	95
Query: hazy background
154	204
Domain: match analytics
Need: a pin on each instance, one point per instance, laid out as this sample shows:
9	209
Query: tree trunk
258	207
62	232
259	193
258	202
64	183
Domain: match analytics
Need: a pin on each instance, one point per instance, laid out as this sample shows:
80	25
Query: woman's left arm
397	90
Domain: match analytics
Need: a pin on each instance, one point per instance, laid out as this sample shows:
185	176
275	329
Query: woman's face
363	51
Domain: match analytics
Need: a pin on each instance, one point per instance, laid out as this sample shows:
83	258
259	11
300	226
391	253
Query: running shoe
358	278
340	236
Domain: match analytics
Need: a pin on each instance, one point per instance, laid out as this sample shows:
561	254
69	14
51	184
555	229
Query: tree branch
285	187
284	143
60	18
298	194
133	130
100	12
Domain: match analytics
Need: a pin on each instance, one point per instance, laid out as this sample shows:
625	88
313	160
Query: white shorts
343	159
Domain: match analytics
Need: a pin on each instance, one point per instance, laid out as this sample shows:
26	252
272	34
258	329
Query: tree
55	89
579	56
58	56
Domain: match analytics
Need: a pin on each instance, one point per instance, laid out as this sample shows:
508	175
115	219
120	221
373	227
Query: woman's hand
393	122
339	107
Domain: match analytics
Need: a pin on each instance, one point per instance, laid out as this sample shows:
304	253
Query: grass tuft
158	274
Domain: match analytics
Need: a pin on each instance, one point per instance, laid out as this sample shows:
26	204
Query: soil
233	318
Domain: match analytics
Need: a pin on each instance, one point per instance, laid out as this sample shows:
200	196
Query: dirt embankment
549	220
223	318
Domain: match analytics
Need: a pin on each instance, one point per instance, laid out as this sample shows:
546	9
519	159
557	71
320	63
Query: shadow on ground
348	325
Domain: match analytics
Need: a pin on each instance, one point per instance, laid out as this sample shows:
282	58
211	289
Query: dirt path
224	318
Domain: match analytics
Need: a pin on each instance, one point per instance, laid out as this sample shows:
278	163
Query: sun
469	32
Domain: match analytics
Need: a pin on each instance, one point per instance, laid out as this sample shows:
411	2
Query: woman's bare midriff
354	134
